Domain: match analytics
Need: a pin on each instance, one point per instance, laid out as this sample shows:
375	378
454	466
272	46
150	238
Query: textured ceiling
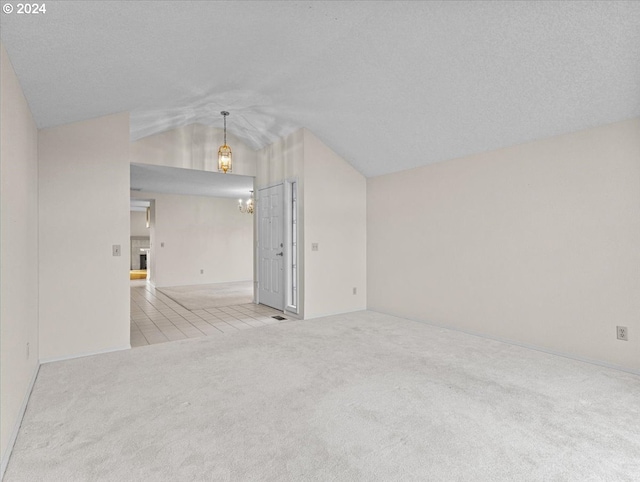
387	85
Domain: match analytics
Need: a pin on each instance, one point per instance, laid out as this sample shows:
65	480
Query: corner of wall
18	255
6	454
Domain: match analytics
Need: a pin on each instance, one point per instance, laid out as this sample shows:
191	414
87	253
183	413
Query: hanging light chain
224	116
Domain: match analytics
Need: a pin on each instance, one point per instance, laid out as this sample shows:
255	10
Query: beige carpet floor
358	397
216	295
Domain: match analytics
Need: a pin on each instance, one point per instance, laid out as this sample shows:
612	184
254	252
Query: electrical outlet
623	334
314	246
116	249
355	291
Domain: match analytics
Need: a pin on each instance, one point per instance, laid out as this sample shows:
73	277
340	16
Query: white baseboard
16	426
542	349
335	313
81	355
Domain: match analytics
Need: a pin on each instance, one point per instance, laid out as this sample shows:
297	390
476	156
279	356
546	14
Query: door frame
292	251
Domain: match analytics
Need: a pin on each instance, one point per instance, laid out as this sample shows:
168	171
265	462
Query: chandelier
224	153
248	207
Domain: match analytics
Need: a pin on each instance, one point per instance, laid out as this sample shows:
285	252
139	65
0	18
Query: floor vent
279	317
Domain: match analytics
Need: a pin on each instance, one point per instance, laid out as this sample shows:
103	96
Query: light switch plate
116	249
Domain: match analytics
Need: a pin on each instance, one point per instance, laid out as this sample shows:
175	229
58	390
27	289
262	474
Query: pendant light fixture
224	153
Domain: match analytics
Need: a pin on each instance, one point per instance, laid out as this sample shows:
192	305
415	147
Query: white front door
271	247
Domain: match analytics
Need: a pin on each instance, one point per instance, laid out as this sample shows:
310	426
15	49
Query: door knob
279	254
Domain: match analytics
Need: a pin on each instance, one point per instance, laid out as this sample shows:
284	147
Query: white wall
281	160
537	243
18	254
138	223
84	210
199	233
193	147
335	197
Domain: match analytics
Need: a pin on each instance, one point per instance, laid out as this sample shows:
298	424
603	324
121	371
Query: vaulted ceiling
388	85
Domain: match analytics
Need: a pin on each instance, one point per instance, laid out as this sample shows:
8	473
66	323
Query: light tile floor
156	318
